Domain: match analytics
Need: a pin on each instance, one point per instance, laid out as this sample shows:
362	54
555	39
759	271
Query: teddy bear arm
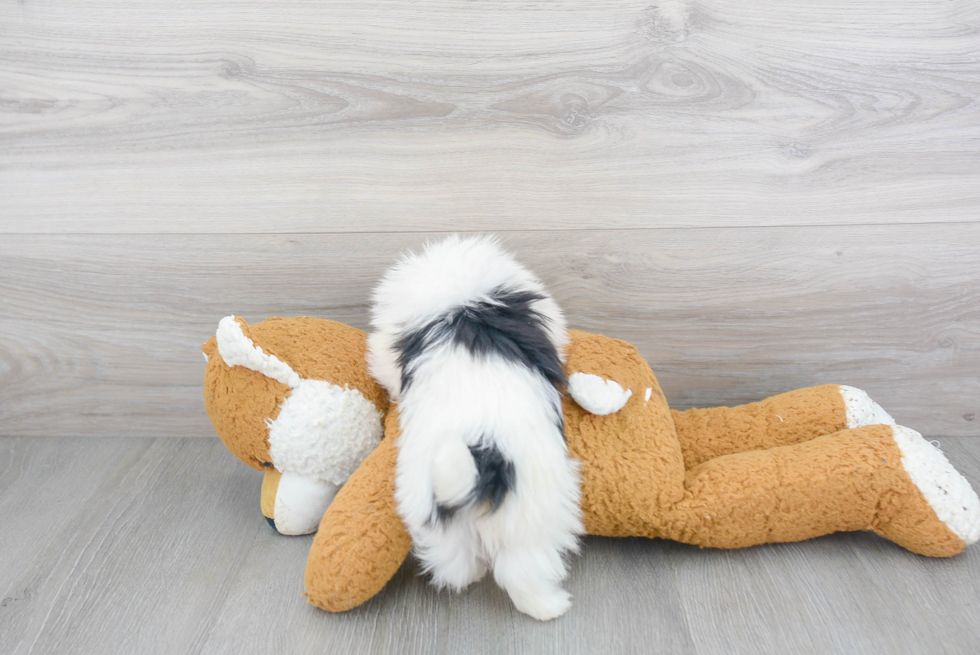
361	541
781	420
294	503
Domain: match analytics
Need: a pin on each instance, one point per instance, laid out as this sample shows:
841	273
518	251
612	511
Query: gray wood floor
140	545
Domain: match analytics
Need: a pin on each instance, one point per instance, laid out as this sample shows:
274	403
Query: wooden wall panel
504	115
102	332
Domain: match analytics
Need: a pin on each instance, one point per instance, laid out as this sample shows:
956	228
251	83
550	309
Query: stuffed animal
292	397
794	466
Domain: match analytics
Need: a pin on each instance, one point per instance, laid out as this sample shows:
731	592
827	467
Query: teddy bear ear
209	347
602	372
237	348
598	395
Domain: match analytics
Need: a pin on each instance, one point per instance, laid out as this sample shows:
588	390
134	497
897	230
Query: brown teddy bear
293	397
301	406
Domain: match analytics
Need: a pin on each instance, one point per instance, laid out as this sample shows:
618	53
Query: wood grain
506	115
101	333
761	196
143	565
158	546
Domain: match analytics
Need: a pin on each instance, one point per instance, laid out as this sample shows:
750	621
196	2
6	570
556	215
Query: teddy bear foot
949	519
861	410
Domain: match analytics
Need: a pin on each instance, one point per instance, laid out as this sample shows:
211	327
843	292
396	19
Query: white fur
948	493
454	401
454	472
446	274
324	431
597	395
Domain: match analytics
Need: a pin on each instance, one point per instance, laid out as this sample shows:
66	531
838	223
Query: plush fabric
361	541
241	402
783	469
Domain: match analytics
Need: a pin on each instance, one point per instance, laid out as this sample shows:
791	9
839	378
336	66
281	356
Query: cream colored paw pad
861	410
948	493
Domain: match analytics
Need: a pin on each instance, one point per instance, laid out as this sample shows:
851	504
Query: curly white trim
324	431
238	350
861	410
597	395
948	493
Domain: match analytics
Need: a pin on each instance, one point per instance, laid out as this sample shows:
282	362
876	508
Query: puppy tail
464	475
454	475
238	349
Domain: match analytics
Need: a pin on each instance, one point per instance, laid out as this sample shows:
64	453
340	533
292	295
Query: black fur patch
505	325
495	478
495	475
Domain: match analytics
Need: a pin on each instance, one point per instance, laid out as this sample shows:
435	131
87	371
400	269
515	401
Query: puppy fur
469	344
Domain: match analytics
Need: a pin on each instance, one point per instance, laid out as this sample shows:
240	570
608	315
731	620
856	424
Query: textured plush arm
361	541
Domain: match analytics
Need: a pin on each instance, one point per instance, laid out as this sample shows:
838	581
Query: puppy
469	344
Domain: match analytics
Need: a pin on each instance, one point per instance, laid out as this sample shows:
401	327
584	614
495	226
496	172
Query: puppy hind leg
530	577
451	553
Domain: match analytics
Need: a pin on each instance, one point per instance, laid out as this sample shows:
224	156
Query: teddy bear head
293	397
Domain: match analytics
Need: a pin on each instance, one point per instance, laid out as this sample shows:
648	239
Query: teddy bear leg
782	420
854	479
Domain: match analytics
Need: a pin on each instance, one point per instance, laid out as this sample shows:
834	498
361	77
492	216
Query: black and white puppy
470	346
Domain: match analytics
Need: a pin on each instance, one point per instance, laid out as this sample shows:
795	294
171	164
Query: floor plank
157	546
380	115
144	564
102	332
851	593
43	485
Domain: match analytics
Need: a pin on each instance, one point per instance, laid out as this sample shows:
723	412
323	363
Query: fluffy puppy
469	344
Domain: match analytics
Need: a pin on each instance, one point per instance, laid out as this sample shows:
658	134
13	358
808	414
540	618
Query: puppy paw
459	574
542	605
